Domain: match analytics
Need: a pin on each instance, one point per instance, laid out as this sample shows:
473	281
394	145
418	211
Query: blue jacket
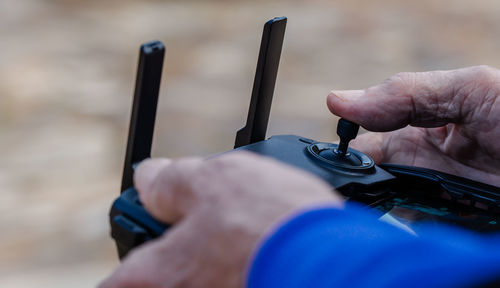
329	247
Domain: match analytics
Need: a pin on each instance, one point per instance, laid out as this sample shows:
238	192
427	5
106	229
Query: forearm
330	247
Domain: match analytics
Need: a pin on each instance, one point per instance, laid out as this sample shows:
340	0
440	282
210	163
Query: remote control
411	195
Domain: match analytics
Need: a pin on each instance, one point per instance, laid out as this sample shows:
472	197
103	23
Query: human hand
220	209
455	117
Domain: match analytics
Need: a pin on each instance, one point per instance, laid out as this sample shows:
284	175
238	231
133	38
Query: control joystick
340	156
347	131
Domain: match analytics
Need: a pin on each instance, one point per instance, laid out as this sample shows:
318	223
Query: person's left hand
220	209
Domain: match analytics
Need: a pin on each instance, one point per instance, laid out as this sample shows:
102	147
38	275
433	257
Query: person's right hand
455	114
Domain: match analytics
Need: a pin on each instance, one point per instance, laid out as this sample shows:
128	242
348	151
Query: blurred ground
67	71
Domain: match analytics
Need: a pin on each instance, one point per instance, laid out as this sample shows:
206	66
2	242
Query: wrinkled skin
455	114
222	207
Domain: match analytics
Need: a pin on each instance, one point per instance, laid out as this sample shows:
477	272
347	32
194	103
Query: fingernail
347	95
147	171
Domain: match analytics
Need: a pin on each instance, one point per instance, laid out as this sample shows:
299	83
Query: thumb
425	99
163	186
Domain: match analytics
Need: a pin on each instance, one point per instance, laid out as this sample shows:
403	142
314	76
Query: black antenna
142	120
263	85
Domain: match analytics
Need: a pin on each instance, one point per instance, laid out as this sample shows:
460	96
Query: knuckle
400	82
232	159
486	69
180	169
403	77
228	165
221	165
175	177
482	82
485	73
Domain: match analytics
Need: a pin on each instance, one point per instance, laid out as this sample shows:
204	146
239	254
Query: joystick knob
341	157
347	131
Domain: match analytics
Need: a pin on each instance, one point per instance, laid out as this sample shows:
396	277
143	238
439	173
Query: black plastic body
363	182
133	225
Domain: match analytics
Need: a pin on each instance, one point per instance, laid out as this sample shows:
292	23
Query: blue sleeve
328	247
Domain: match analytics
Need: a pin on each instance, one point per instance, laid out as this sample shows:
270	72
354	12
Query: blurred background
67	71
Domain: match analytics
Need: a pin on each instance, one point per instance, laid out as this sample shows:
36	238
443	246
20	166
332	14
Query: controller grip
131	224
